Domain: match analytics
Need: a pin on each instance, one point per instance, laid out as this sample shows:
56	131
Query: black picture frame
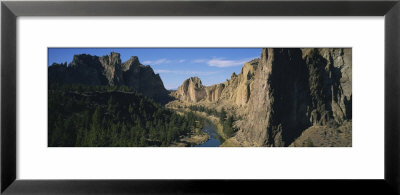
10	10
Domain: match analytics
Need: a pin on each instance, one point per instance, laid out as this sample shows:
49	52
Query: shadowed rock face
330	73
109	70
294	89
280	98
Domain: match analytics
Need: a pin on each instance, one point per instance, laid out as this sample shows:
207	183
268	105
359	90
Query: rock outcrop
237	89
295	89
110	70
214	92
192	90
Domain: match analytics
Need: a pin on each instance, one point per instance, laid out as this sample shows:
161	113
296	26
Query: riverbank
215	121
214	140
227	141
198	137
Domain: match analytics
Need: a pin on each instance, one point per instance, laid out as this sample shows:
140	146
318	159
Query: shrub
308	143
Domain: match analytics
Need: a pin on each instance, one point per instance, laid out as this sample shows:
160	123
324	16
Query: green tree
228	126
222	115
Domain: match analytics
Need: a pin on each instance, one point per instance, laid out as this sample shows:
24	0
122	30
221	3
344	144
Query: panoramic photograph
199	97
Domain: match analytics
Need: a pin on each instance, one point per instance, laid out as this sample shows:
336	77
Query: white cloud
214	62
162	61
157	62
222	63
186	72
199	60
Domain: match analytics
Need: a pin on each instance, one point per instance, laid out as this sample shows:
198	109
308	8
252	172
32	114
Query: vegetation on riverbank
223	121
106	116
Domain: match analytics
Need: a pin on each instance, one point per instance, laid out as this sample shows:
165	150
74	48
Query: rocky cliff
235	90
282	94
295	89
109	70
239	87
192	90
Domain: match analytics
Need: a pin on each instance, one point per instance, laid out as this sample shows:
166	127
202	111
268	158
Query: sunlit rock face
237	89
192	90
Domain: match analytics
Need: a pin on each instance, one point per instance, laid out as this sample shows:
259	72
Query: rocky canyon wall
284	92
235	90
295	89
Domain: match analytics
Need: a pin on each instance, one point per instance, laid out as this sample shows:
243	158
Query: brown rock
295	89
237	89
192	90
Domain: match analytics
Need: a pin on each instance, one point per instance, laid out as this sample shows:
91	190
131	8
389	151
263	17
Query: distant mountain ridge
111	71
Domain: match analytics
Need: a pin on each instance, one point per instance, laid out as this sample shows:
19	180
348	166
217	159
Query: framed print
199	97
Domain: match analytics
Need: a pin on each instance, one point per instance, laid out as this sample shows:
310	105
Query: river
215	139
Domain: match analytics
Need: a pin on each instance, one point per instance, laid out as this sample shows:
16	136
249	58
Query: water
214	140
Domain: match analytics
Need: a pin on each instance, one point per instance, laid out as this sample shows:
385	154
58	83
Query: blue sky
211	65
